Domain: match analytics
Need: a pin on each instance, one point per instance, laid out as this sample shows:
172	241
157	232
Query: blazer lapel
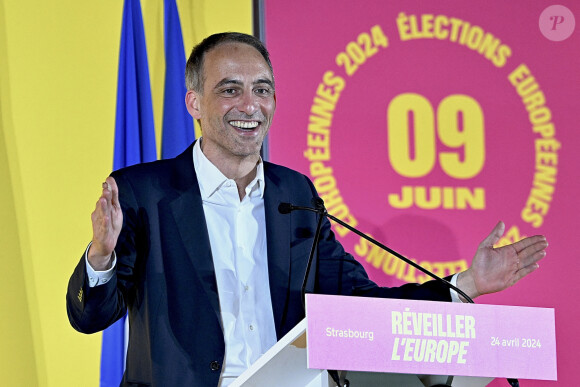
187	210
278	237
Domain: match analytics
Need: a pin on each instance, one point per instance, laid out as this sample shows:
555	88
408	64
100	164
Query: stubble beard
245	146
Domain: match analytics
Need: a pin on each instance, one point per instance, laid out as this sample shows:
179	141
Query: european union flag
134	143
178	130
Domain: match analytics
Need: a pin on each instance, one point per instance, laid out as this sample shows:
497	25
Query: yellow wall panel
58	81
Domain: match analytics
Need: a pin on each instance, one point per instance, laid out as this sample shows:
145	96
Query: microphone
285	208
318	203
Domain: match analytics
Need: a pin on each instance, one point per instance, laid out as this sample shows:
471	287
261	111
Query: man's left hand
495	269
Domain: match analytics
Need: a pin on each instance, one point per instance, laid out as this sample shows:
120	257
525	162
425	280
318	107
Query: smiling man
197	251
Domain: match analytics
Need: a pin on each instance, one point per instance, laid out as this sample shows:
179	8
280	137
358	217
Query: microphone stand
322	214
320	209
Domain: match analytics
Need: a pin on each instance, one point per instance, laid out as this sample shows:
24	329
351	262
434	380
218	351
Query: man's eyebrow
228	81
266	81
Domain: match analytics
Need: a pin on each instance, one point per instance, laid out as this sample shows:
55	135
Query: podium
285	364
382	342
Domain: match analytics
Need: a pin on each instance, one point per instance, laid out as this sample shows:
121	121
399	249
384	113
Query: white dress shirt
237	233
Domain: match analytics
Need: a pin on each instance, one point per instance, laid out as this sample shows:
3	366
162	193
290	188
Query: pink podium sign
432	338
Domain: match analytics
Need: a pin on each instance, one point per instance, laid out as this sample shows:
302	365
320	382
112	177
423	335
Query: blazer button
214	365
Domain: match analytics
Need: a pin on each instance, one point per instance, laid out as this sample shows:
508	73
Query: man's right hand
107	222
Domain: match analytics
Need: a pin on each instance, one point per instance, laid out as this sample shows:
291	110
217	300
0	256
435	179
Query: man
197	251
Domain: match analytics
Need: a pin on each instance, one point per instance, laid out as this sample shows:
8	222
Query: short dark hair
194	67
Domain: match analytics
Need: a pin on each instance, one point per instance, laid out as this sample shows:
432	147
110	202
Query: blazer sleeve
92	309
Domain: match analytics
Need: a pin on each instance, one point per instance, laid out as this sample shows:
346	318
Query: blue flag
134	126
134	143
178	130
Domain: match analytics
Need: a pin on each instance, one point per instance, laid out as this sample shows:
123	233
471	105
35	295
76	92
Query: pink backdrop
376	98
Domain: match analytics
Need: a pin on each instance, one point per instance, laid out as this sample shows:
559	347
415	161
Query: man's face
237	103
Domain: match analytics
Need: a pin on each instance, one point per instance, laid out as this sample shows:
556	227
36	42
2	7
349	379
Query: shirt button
246	288
251	327
214	365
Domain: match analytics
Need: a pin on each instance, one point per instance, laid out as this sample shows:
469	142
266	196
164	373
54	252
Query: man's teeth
244	124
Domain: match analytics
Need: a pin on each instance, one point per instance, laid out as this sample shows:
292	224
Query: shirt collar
210	178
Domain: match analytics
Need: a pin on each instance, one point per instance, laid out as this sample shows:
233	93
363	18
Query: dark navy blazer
165	274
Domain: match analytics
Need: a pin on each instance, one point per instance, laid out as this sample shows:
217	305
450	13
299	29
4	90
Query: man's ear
192	104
